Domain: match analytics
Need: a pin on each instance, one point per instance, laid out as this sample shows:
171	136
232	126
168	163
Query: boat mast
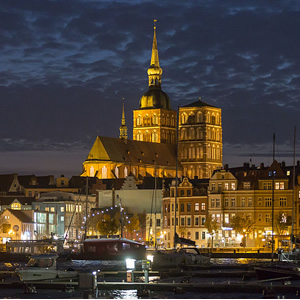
273	186
176	177
155	187
86	206
293	199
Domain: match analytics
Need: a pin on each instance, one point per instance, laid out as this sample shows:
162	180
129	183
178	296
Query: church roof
198	103
131	151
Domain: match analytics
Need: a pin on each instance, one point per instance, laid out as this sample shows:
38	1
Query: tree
108	225
282	221
242	225
212	226
133	224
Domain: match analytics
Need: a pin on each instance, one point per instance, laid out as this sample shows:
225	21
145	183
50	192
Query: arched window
209	152
92	171
125	172
183	118
172	121
208	118
134	171
199	118
147	136
139	136
117	172
104	172
208	134
163	120
154	119
139	120
192	134
213	152
154	137
213	134
213	119
147	121
168	120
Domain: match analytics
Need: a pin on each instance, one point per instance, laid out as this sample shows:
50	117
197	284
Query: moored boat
110	249
43	267
186	256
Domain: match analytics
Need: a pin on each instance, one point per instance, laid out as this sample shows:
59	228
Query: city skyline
67	67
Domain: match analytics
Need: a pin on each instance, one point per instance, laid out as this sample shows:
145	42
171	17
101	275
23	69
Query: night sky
66	66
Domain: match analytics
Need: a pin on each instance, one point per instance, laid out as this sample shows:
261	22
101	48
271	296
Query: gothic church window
139	136
139	120
117	172
154	136
192	134
92	171
199	117
104	172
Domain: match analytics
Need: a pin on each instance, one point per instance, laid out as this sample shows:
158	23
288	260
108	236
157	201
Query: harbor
223	278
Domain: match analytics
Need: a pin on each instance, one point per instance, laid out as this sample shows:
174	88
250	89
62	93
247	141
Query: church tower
154	121
123	127
200	139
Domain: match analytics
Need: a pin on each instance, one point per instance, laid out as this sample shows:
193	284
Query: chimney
262	165
226	167
246	165
283	164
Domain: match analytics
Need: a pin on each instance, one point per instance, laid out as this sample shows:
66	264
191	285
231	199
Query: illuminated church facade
153	150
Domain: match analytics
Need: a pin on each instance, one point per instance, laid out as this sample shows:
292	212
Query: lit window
202	206
62	209
226	218
233	186
52	209
197	206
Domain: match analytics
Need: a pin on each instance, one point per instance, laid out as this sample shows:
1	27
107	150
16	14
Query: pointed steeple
155	71
123	127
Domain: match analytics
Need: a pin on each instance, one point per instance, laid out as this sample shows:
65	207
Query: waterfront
225	278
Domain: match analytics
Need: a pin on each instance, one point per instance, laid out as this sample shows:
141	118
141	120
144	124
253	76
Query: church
156	129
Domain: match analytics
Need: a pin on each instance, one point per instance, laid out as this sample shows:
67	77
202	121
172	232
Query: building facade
191	212
251	192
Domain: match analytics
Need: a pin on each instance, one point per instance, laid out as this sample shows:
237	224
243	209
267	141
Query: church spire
123	127
155	71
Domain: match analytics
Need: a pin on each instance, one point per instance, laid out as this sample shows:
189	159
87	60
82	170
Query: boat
182	257
42	267
110	249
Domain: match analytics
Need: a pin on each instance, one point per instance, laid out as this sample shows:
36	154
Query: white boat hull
46	274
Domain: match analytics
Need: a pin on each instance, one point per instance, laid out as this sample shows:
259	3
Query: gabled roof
6	182
22	216
7	200
131	151
41	181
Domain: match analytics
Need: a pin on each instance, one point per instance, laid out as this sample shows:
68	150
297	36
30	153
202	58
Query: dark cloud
66	66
